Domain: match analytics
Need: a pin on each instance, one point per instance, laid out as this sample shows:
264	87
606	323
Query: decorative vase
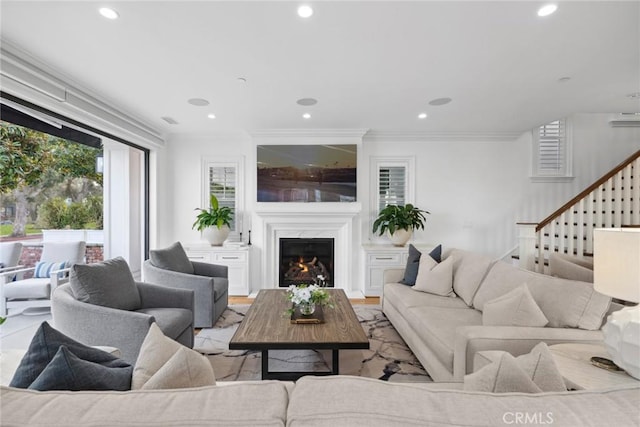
307	308
400	237
216	236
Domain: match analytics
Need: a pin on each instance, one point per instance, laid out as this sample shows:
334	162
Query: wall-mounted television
306	173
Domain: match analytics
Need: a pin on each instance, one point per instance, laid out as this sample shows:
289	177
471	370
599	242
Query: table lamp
616	272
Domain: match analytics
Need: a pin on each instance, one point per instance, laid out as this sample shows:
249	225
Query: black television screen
306	173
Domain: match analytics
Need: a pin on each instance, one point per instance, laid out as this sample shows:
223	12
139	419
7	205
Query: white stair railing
611	202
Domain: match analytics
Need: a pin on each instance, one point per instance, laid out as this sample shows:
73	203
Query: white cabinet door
236	260
379	258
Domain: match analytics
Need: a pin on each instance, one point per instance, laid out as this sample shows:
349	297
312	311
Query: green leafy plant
2	319
215	216
398	217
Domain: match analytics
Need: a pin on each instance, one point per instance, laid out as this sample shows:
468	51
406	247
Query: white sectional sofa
317	401
445	332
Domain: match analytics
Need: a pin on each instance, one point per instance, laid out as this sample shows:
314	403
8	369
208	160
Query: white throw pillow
515	308
435	278
159	355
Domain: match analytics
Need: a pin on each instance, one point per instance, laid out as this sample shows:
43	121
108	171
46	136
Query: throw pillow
515	308
66	371
173	258
43	348
185	369
43	269
435	278
108	283
413	262
156	357
535	372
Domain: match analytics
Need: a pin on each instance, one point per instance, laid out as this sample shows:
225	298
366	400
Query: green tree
24	159
33	163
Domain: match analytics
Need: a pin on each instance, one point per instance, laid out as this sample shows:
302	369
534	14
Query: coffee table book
316	317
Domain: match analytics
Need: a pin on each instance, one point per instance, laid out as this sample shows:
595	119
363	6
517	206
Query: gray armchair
102	311
171	267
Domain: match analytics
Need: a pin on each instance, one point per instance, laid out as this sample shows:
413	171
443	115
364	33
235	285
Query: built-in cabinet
378	258
236	259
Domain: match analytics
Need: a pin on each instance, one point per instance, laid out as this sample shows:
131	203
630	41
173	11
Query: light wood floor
367	300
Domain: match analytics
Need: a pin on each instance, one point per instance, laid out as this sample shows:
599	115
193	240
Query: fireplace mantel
340	221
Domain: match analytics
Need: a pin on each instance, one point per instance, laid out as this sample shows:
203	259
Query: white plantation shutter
223	184
392	186
551	155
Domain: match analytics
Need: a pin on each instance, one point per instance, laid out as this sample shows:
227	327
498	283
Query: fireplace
302	260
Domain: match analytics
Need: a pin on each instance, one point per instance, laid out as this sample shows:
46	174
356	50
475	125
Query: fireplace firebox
302	260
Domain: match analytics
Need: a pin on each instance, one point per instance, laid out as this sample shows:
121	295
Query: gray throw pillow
43	348
173	258
108	283
66	371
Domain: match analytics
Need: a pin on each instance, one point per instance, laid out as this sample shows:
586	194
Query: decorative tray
315	318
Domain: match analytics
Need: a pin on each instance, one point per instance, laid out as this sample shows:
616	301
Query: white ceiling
371	65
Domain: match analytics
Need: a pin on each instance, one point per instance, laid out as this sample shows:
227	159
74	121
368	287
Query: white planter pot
400	237
216	236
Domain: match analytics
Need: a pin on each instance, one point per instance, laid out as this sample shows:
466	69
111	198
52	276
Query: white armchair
10	256
38	289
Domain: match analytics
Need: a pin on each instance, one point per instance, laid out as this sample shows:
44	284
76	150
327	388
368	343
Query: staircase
613	201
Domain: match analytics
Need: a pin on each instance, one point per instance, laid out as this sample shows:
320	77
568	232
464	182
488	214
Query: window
223	179
393	178
551	152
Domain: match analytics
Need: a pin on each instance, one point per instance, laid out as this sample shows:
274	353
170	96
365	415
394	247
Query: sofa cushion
172	258
403	297
435	278
66	371
515	308
108	284
469	269
436	326
164	363
535	372
43	348
28	288
413	263
258	403
565	303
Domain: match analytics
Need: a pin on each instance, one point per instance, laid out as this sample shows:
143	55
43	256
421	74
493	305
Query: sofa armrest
514	339
201	285
392	275
155	296
210	270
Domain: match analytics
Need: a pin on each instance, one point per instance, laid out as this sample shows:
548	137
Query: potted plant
214	222
399	222
306	297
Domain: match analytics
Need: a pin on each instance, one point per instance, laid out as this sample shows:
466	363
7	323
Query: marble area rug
388	358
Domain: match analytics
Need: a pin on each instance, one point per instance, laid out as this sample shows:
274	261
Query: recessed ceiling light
211	116
564	79
108	13
305	11
440	101
198	102
307	102
242	80
422	115
547	10
634	95
306	116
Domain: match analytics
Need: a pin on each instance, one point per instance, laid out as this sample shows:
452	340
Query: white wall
475	191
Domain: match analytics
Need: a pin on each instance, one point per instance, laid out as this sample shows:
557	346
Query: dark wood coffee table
266	327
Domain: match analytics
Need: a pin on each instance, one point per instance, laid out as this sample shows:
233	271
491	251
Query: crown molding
402	136
309	133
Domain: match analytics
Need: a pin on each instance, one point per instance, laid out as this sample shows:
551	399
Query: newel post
527	244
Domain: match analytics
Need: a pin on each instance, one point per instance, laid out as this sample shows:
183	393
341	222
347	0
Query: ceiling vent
625	120
170	120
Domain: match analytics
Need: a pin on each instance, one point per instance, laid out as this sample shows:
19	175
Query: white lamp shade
616	262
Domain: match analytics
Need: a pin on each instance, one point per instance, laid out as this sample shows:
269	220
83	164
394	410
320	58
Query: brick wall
31	255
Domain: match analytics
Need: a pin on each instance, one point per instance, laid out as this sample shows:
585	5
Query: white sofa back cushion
469	269
566	303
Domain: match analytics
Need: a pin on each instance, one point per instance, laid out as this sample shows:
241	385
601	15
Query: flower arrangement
307	295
